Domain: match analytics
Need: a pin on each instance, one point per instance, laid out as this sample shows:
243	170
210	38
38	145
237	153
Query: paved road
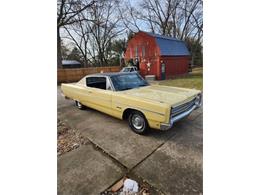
170	161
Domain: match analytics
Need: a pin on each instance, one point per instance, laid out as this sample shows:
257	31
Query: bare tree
67	10
157	14
78	34
130	16
92	26
188	9
177	18
96	29
181	19
192	28
107	28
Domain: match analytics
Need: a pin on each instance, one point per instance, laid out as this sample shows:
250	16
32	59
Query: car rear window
96	82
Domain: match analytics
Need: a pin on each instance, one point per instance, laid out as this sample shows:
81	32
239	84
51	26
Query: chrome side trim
111	83
138	108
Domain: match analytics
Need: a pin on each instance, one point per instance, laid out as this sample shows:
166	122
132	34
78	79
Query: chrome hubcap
137	121
79	104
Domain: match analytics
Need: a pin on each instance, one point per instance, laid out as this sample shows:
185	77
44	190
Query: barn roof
170	45
69	62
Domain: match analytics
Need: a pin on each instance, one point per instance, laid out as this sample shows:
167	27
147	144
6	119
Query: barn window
143	51
131	54
136	51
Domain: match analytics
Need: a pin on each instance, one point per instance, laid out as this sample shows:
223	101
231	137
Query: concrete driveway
170	161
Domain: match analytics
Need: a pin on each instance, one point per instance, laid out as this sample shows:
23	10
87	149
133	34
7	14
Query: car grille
182	108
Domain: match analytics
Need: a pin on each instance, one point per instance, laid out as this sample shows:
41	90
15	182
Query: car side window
96	82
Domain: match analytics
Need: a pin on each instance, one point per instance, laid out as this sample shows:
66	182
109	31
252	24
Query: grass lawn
193	80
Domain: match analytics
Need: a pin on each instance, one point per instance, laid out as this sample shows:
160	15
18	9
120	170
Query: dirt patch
67	138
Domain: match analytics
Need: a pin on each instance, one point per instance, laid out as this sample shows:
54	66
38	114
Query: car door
99	93
84	93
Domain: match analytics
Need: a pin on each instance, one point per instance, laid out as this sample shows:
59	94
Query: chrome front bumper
166	126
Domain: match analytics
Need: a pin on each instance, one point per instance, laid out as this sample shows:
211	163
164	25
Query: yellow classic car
128	96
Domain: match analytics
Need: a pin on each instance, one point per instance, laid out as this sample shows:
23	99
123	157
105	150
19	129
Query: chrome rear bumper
166	126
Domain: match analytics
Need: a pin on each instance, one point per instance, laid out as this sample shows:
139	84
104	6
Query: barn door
163	71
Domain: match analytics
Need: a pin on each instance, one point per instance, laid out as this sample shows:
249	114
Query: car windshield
128	81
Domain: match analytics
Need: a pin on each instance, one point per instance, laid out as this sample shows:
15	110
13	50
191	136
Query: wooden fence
75	74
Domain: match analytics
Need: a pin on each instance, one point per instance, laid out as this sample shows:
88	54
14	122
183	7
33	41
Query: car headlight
198	100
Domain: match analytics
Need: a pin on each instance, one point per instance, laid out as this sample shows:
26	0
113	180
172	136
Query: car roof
111	74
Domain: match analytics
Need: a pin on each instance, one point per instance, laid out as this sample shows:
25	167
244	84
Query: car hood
163	94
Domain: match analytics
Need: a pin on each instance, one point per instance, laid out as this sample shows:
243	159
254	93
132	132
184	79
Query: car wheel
79	105
138	122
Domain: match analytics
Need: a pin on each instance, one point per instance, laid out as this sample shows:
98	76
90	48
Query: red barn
158	55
